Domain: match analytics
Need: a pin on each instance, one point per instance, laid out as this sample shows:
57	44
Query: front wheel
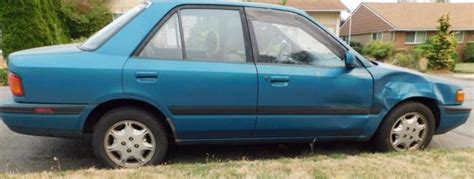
408	127
129	137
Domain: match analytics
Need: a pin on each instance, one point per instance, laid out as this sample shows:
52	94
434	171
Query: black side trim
213	110
457	109
312	111
272	111
31	109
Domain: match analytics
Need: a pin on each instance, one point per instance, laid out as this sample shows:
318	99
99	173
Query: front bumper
55	120
452	117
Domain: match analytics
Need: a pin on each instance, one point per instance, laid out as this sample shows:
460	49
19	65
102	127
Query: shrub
357	46
443	44
28	24
84	18
3	77
469	52
379	50
410	59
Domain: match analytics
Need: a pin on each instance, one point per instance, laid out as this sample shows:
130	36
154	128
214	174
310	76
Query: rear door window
200	35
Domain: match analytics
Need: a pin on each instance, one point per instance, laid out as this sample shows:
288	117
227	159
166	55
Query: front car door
196	65
305	90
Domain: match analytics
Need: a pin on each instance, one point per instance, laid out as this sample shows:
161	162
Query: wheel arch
97	112
431	103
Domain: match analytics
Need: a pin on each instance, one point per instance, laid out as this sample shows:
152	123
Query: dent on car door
305	90
200	74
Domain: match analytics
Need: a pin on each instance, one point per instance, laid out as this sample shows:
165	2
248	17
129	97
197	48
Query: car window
99	38
166	43
287	38
213	35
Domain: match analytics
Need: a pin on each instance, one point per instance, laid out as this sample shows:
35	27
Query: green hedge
380	50
469	52
84	18
31	23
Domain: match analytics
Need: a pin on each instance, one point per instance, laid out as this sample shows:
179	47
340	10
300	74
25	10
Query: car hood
427	77
57	49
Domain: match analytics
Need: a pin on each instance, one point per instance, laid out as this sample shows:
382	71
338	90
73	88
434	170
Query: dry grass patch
428	164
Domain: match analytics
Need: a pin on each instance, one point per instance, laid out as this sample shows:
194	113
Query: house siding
400	44
364	21
122	6
329	19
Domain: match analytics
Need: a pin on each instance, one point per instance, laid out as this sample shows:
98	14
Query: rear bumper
55	120
452	117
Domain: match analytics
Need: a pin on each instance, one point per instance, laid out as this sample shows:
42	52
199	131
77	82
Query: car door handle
278	81
146	76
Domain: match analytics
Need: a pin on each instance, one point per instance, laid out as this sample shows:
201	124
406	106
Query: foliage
410	59
379	50
469	52
283	2
443	49
31	23
1	34
3	77
357	46
84	18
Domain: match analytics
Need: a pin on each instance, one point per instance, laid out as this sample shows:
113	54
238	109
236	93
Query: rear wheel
409	126
129	137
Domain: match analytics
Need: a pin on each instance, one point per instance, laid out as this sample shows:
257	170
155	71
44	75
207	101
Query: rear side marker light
16	84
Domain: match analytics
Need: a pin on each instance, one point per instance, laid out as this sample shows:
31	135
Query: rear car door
305	90
197	66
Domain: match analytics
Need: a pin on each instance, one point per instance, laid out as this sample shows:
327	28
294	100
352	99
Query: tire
134	137
398	132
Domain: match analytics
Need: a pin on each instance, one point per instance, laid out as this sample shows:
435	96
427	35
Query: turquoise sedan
211	72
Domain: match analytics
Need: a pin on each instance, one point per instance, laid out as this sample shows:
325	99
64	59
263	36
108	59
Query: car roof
230	3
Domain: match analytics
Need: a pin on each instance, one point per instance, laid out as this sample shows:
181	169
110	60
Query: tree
283	2
85	17
31	23
443	46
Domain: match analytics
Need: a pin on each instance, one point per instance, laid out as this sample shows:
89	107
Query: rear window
99	38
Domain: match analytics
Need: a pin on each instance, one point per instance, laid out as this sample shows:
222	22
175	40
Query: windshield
99	38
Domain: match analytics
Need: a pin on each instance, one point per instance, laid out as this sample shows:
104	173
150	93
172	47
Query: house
327	12
120	7
408	24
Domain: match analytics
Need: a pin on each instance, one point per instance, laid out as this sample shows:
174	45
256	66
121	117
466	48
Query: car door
200	75
305	90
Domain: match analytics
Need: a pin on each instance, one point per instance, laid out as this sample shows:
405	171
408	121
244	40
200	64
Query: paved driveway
21	153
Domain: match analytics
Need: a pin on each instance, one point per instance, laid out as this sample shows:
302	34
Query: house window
377	36
459	36
415	37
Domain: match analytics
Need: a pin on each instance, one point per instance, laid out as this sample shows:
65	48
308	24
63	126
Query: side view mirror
350	60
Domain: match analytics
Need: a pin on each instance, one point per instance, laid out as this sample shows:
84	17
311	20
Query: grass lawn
457	163
464	68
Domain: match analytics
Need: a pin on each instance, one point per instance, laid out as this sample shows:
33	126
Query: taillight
16	85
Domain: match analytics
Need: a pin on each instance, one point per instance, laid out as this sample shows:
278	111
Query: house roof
424	16
311	5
